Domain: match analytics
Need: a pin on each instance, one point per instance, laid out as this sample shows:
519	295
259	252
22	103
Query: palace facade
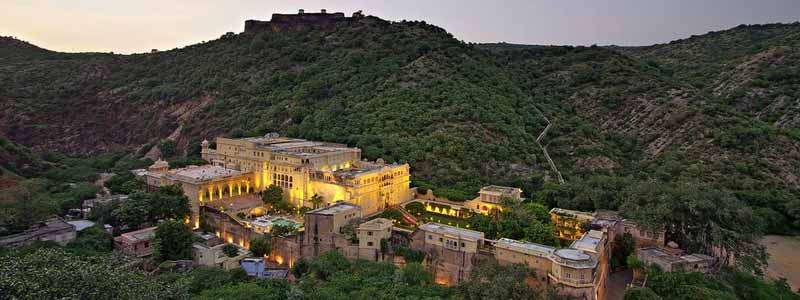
305	168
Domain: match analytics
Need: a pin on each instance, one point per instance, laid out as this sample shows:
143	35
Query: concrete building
671	260
256	267
491	197
450	251
305	168
578	271
53	229
370	236
323	230
534	256
203	185
570	224
136	243
210	253
644	237
573	273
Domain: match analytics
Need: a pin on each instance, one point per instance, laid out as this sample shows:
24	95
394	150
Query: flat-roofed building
644	237
203	185
491	197
210	253
323	229
596	244
573	273
450	251
534	256
671	260
570	224
137	243
53	229
370	236
305	168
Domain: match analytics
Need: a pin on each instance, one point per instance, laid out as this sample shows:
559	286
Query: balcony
573	282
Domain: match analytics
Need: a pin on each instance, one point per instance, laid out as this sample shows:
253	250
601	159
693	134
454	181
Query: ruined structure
301	21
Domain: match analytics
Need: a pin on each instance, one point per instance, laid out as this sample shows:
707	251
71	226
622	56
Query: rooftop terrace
205	172
446	229
525	247
337	208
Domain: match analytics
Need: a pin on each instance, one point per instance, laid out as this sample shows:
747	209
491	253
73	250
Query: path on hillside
544	149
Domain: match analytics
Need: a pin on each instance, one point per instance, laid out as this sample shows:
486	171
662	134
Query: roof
375	224
500	189
337	208
450	230
51	225
525	247
574	258
577	214
145	234
205	172
590	241
697	258
296	147
654	253
81	224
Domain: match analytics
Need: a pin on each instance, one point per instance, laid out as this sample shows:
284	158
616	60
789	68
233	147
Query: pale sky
125	26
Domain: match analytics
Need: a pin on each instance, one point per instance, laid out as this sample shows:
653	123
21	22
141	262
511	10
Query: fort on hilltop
299	21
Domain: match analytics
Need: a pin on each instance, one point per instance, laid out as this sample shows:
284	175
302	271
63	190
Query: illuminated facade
201	184
305	168
492	197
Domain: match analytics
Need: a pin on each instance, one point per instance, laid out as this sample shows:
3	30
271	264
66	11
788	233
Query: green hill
461	114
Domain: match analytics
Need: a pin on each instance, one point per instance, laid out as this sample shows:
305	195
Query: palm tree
316	200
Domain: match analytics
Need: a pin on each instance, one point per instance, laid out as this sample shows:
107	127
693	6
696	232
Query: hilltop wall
299	21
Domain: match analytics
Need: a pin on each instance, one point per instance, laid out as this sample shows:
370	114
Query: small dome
204	143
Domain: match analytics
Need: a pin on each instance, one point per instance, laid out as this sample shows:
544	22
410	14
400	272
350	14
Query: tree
134	211
316	200
415	274
169	202
538	212
328	263
623	247
230	250
53	273
541	234
415	208
635	264
272	195
350	229
641	294
173	241
261	246
300	268
168	148
25	204
92	240
282	230
489	280
700	218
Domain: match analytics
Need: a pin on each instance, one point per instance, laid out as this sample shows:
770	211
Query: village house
53	229
137	243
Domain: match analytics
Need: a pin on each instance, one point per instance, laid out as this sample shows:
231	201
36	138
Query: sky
127	26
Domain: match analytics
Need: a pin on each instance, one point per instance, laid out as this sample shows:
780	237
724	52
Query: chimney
323	11
302	11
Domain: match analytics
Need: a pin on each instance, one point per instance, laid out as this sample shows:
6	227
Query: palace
302	168
305	168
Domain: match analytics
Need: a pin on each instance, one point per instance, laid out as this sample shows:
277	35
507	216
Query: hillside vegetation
682	116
